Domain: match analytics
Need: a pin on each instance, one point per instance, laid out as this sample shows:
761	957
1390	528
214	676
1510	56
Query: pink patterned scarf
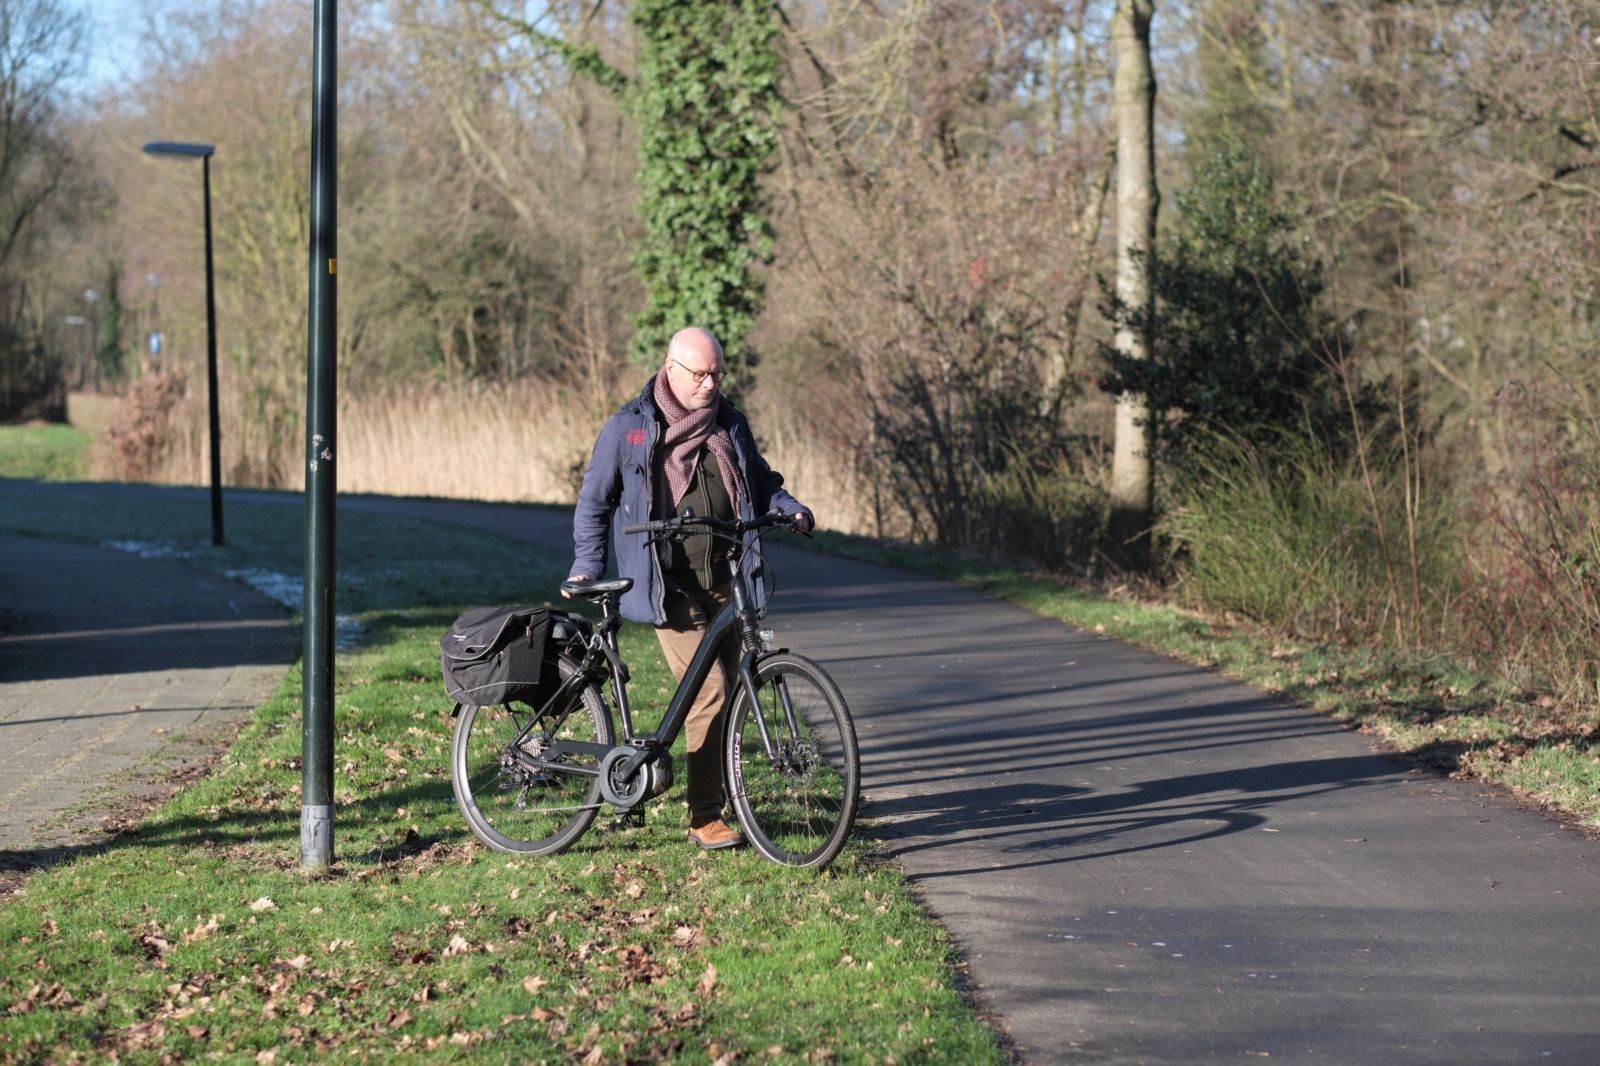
687	432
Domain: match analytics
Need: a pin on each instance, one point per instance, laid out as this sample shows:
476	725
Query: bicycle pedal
632	818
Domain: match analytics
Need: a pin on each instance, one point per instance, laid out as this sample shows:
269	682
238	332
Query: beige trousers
688	615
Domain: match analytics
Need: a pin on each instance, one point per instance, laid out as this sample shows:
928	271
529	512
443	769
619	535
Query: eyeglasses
716	376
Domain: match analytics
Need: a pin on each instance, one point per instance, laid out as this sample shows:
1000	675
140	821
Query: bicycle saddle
592	590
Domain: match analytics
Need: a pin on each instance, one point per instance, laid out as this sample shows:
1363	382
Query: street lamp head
179	150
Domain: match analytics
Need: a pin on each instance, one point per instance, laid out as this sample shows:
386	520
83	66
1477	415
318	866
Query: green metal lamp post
316	699
180	150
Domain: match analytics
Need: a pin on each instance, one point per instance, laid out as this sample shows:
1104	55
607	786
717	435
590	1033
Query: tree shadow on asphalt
1038	824
915	755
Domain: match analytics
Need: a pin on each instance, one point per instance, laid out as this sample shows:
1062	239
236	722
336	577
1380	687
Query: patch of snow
348	632
145	549
287	589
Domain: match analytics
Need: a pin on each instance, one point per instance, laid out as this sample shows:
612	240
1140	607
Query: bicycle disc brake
798	757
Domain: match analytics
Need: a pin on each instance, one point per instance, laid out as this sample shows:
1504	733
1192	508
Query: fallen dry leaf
532	984
708	981
200	932
263	904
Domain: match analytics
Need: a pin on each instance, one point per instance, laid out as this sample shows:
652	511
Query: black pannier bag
493	655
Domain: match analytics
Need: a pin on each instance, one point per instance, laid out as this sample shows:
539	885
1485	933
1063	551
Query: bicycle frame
736	615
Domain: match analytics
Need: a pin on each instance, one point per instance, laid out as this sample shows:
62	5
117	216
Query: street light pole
179	150
316	698
211	367
92	358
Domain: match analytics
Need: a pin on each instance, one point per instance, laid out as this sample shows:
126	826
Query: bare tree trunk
1133	99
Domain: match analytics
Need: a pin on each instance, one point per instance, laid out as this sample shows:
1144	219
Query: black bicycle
532	779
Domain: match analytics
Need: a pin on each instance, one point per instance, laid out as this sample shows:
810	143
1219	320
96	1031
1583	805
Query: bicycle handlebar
668	527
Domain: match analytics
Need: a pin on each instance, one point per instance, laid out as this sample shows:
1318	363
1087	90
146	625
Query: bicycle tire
797	809
511	808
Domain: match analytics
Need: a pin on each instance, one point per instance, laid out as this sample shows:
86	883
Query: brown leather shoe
715	834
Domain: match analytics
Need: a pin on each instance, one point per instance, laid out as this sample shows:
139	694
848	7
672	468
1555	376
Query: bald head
693	353
694	341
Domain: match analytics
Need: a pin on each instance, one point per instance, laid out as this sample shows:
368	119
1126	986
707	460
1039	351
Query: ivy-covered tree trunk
707	103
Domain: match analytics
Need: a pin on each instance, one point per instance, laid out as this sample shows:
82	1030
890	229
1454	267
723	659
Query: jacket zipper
652	434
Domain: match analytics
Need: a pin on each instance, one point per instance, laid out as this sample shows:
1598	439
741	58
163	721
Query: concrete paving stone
107	661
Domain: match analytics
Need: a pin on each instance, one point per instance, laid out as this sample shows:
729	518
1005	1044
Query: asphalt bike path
116	671
1144	862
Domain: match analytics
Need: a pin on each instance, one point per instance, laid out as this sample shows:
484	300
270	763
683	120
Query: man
680	445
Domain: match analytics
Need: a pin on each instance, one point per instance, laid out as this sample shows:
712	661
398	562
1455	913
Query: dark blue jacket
617	492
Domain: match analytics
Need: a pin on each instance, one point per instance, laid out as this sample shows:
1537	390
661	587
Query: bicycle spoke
796	805
514	803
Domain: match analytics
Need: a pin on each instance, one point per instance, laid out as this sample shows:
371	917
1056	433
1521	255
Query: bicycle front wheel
795	793
512	804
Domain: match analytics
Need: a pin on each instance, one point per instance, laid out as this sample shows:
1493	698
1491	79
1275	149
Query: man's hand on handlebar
672	528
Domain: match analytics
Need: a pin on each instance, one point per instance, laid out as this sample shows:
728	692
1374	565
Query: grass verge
194	933
1430	708
47	453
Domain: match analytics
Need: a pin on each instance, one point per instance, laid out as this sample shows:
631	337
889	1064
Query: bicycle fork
747	680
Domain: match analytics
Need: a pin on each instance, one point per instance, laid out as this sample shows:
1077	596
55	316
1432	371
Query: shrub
1238	342
1533	584
138	439
1051	514
1309	543
951	426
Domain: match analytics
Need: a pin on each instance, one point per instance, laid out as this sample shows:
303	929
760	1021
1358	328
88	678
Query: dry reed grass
92	412
525	442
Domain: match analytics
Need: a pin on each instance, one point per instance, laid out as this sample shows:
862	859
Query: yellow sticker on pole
333	266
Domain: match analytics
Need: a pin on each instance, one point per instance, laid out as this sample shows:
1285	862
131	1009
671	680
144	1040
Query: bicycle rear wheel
513	807
796	804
